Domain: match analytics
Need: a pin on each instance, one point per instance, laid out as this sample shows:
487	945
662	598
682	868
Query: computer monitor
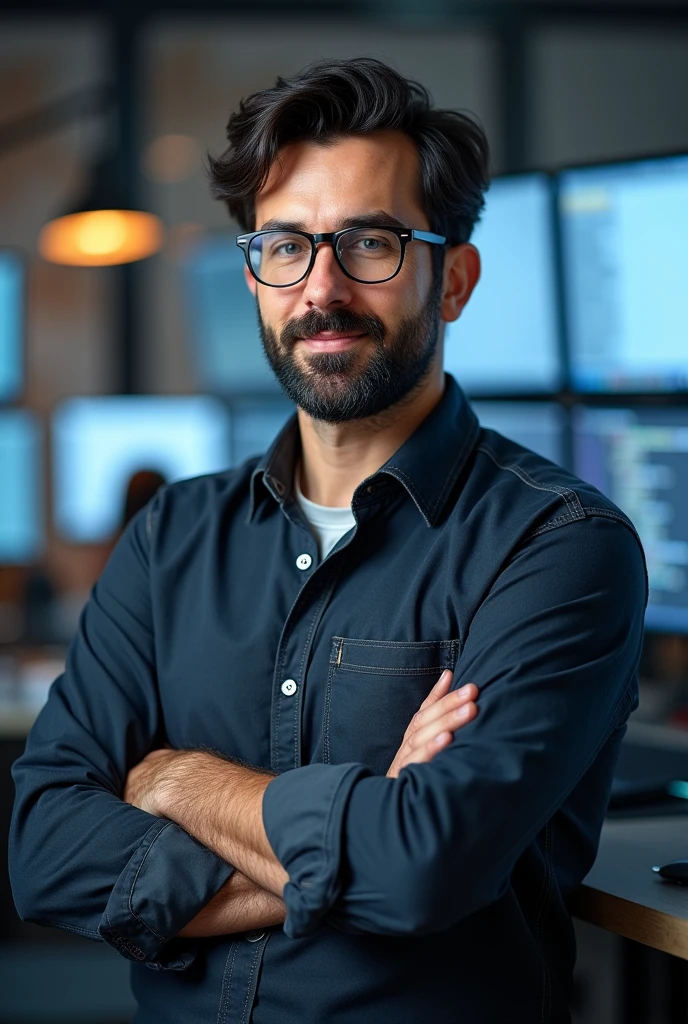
255	425
507	337
539	426
21	472
99	443
624	230
12	288
639	458
221	320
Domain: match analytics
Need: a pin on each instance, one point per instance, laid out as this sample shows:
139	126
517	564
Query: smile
330	341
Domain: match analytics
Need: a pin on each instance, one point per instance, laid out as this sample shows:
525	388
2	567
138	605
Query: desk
623	895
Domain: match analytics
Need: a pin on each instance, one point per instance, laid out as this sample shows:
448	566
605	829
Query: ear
461	274
250	281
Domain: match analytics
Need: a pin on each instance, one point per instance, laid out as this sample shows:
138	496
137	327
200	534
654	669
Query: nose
327	286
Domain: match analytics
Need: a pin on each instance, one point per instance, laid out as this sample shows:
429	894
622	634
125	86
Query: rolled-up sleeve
81	858
554	649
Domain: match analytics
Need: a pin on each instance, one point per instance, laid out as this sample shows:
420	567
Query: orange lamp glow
101	238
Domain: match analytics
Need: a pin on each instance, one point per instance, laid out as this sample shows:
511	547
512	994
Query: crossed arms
220	803
554	647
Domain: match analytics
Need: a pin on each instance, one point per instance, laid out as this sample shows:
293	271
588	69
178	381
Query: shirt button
255	935
289	687
304	562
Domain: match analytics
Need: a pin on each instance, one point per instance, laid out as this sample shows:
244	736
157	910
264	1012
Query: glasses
281	259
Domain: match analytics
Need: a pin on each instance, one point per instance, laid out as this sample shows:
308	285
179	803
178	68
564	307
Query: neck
337	457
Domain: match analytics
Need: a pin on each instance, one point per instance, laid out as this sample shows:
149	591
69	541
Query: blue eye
288	249
367	243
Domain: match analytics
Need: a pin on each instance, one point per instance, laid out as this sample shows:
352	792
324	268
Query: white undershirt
328	524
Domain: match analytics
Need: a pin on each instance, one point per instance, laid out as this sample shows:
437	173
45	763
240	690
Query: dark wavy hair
331	99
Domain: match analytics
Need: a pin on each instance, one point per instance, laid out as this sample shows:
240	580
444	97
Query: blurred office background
115	378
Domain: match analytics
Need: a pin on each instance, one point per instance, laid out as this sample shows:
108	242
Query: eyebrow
376	219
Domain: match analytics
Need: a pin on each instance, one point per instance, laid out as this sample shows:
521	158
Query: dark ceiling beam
127	70
481	11
513	83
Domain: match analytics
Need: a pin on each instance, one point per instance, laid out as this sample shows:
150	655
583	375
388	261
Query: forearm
239	905
220	804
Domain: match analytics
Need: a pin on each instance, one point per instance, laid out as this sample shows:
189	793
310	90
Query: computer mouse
675	871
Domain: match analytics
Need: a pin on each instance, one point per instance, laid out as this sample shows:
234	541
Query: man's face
344	350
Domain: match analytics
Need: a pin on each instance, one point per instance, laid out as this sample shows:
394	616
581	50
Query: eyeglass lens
282	257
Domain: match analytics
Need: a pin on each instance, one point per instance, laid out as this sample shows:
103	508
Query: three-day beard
339	386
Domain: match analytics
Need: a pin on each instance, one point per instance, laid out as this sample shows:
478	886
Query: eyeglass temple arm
428	236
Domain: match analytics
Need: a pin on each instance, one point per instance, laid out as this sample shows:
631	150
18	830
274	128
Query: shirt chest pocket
374	688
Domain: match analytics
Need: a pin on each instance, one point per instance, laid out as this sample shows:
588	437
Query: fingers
438	708
439	689
433	726
426	743
450	721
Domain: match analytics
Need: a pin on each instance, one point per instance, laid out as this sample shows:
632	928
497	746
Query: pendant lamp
103	229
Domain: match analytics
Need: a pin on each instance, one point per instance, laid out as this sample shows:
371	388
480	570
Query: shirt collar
274	474
427	465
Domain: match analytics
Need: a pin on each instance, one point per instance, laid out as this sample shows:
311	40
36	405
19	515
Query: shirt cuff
170	877
303	815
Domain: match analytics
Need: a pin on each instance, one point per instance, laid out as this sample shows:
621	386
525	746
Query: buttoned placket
317	581
302	623
242	970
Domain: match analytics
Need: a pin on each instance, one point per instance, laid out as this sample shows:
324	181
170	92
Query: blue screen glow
535	425
221	321
507	338
99	443
21	471
625	256
639	458
11	325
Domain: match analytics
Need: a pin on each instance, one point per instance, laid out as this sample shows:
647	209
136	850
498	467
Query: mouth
332	341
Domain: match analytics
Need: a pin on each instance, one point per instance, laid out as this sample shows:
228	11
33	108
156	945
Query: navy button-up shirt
438	896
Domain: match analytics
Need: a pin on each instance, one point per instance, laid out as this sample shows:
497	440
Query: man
221	785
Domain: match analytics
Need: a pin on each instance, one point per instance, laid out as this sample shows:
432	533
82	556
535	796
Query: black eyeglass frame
405	235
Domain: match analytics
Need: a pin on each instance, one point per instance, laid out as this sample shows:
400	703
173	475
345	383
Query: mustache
345	320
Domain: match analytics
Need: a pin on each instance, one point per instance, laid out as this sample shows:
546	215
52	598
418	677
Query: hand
433	726
142	780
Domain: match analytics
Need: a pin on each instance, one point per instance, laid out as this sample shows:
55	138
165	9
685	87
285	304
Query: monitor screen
100	443
21	471
11	325
639	458
221	320
624	230
255	425
539	426
507	337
